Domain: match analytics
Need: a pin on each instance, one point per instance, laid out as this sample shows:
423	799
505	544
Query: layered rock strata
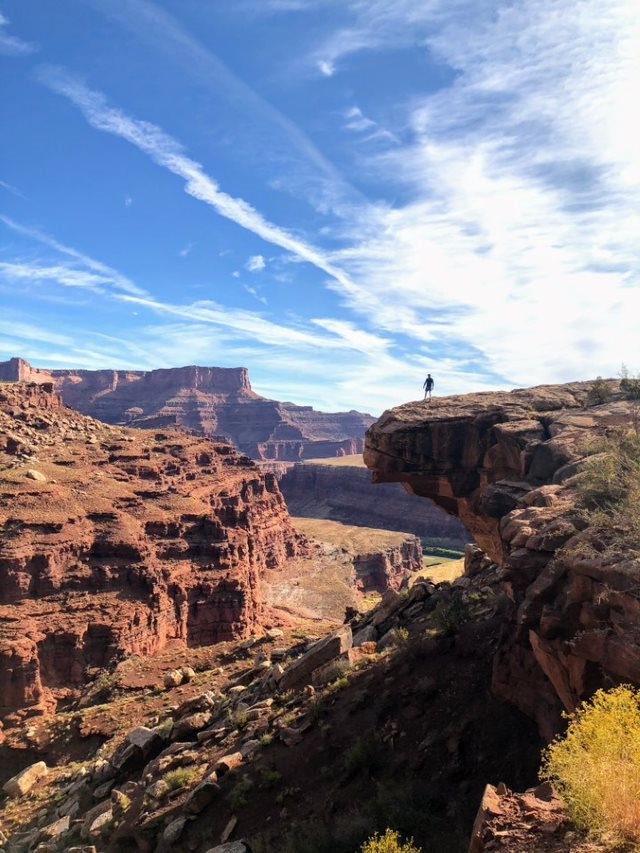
503	464
210	401
345	493
115	540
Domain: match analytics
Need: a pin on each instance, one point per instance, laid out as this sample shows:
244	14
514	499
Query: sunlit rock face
502	463
116	540
210	401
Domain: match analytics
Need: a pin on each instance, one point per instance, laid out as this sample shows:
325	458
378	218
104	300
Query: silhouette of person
428	386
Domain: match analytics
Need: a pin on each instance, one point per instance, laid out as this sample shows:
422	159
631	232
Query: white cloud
307	172
102	274
12	45
256	295
128	201
357	121
511	255
327	69
186	250
256	263
168	153
11	189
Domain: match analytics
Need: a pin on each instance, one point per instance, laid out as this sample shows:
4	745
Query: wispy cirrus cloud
11	45
168	153
85	269
308	173
523	175
11	189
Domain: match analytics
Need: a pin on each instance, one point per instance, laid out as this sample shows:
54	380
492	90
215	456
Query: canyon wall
345	493
116	540
211	401
381	559
503	463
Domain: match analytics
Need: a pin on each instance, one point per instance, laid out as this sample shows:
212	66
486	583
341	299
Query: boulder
228	762
203	795
188	725
56	829
101	824
188	673
299	672
37	476
24	781
368	634
230	847
174	830
173	678
144	738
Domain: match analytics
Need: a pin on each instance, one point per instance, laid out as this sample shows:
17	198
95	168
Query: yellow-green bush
388	843
596	765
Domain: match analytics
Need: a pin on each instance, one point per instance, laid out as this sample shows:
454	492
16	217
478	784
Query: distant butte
210	401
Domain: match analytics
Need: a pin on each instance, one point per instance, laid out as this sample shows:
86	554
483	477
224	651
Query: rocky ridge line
210	401
503	463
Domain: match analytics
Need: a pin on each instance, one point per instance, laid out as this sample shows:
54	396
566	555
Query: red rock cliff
502	463
116	540
211	401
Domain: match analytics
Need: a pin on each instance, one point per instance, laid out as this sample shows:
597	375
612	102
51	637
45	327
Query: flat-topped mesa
211	401
118	540
503	462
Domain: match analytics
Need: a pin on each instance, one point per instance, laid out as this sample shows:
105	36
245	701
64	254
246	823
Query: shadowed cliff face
344	493
210	401
503	463
116	540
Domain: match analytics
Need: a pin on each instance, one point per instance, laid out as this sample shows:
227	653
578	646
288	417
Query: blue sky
340	195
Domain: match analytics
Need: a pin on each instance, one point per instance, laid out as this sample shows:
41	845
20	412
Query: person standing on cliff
428	386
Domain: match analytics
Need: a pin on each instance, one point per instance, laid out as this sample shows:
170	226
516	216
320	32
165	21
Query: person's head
428	375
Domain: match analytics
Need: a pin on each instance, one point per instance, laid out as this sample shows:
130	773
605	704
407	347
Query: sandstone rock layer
503	464
210	401
128	539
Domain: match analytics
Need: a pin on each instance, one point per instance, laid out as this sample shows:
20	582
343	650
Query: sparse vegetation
629	384
599	392
390	842
237	797
367	753
181	777
609	486
596	765
448	616
269	778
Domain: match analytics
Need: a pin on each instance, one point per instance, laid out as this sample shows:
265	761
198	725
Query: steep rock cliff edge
116	540
503	463
210	401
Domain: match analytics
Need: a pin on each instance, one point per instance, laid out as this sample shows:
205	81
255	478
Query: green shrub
180	777
367	753
448	616
389	843
237	797
599	392
596	765
269	778
629	385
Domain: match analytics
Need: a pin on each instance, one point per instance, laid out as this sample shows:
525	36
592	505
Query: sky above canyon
339	195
